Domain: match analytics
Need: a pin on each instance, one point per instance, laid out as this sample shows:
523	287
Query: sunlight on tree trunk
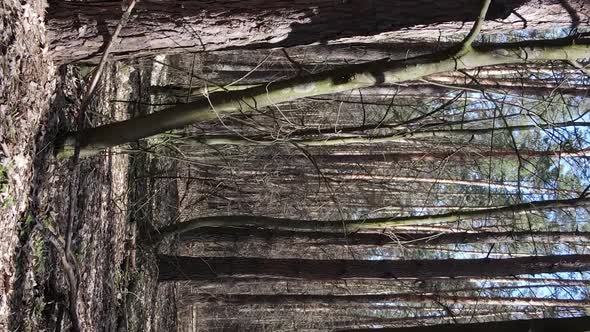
218	104
348	226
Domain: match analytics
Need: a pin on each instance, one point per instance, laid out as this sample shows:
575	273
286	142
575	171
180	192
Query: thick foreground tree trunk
200	268
577	324
78	31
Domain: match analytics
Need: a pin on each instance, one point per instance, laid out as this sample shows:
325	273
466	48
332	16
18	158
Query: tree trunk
200	268
218	104
397	137
346	226
334	176
451	155
395	299
422	320
576	324
242	235
223	283
229	66
78	31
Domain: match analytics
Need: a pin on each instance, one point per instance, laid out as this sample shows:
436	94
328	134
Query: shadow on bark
331	20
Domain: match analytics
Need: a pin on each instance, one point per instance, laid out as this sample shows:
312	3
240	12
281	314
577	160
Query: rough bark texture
242	235
78	31
199	268
224	283
577	324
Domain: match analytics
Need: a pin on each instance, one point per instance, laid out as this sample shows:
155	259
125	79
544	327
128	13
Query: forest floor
70	229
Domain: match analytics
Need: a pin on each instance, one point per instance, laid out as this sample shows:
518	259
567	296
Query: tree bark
242	235
222	283
79	31
205	268
229	66
451	155
423	320
334	176
576	324
347	226
396	137
217	104
289	299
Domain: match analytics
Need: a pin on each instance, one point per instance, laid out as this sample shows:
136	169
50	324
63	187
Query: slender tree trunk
243	235
527	281
422	320
357	225
78	31
338	177
577	324
199	268
223	283
395	137
401	136
450	155
508	80
469	183
289	299
417	88
530	84
348	78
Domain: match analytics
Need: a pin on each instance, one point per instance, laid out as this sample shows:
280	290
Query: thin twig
103	60
69	266
472	35
579	66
